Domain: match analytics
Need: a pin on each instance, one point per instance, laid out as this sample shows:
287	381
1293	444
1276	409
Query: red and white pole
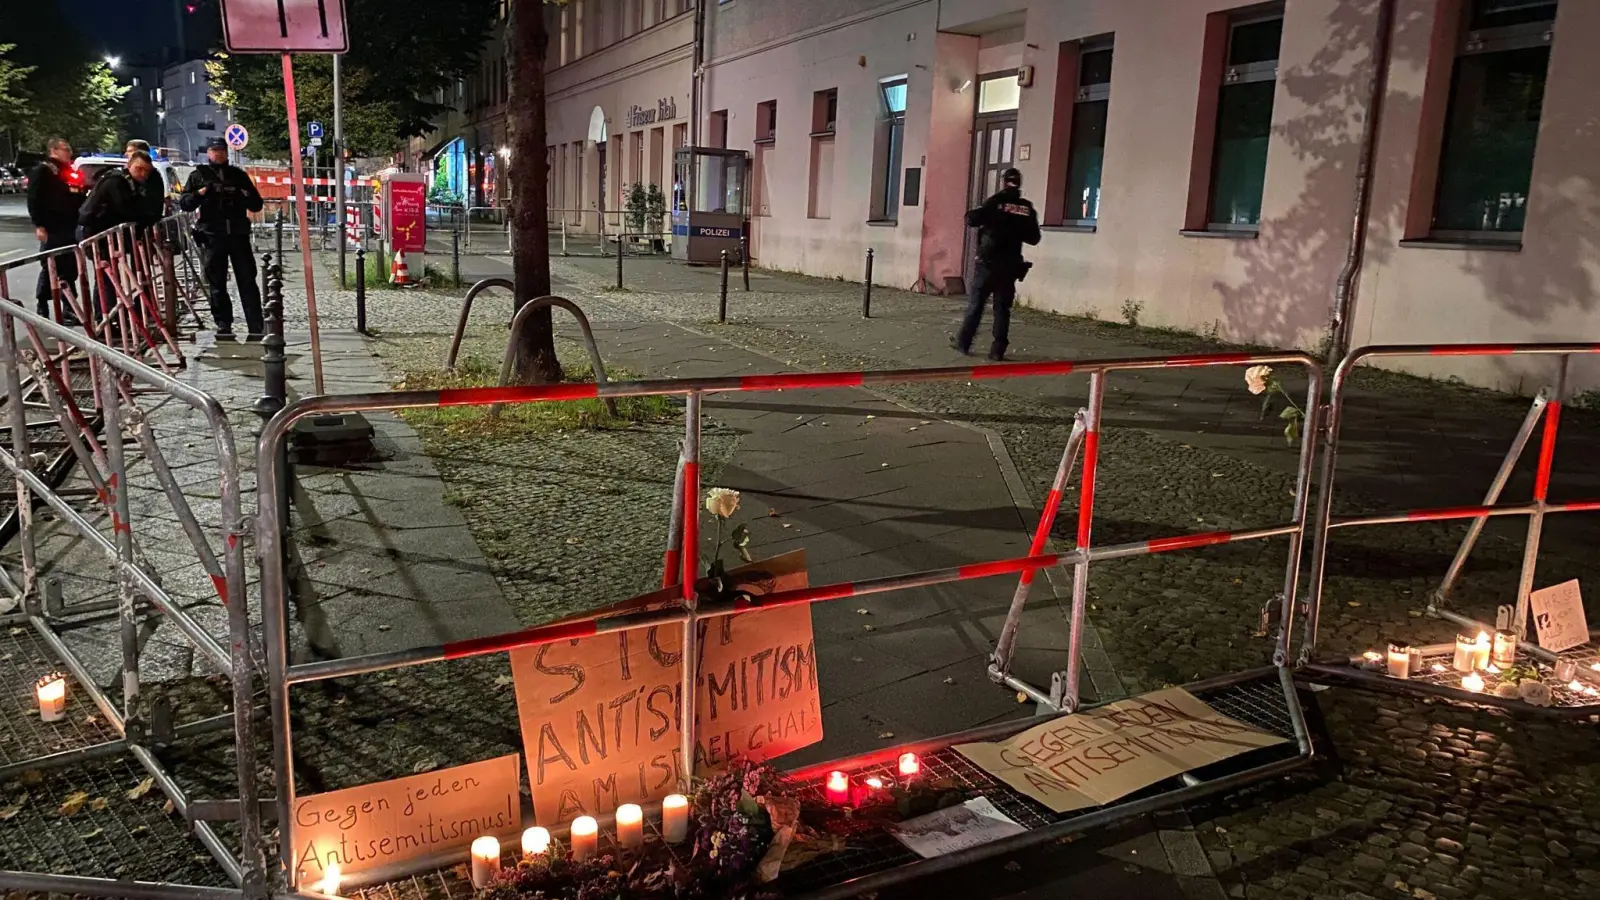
297	172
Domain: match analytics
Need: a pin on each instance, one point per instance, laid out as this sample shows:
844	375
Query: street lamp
113	61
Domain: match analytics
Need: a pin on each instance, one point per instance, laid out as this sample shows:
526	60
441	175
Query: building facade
1195	162
189	117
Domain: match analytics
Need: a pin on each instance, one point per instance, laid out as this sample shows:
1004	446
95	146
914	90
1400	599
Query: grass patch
519	419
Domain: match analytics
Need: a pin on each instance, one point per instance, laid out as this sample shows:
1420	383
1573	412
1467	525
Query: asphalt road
16	241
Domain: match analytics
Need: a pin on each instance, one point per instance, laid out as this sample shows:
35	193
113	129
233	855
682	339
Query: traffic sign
316	142
236	136
284	26
314	130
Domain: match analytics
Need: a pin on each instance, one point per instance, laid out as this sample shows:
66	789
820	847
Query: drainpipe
1344	291
697	76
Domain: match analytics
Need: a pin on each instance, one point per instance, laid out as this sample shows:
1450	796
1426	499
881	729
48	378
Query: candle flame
585	825
1575	685
535	840
909	764
875	784
52	688
330	880
1473	682
838	781
1483	637
1438	667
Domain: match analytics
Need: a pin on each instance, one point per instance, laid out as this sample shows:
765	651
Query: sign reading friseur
665	110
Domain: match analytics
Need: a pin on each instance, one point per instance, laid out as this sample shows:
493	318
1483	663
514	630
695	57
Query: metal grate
24	658
1437	669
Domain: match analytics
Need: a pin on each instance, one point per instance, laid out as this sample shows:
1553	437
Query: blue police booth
709	206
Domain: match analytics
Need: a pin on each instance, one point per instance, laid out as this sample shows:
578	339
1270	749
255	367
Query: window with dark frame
1492	121
1087	143
766	122
1244	122
891	148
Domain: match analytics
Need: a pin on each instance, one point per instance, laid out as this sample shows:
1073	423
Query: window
824	112
999	93
135	81
1492	121
1244	123
717	135
766	122
191	77
1086	147
891	145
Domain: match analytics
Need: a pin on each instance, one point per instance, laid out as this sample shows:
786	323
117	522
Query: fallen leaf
142	788
1353	603
863	612
18	632
168	808
574	540
98	804
92	835
74	803
427	765
504	680
886	736
10	812
1021	697
950	680
385	627
869	627
32	776
366	571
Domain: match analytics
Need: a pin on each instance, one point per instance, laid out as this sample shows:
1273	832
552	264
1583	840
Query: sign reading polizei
284	26
665	110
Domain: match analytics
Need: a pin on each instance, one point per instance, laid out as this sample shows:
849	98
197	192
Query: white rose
1536	693
721	502
1255	378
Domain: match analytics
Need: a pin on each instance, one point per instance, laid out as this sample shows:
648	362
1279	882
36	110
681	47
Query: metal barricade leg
122	533
1541	491
24	455
670	573
1080	574
1297	538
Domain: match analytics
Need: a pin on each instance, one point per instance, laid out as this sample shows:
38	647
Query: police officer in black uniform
1005	222
226	196
54	197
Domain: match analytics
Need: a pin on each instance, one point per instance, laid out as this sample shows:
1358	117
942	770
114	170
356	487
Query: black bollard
266	275
455	255
744	259
274	380
621	238
722	297
279	228
866	292
361	290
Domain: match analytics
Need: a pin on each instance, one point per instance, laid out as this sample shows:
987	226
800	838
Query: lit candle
1465	648
330	880
1505	649
585	838
485	860
1566	670
909	765
52	691
1595	666
1399	661
866	791
1437	667
1473	682
535	841
838	789
1575	686
1373	659
1480	651
675	818
630	826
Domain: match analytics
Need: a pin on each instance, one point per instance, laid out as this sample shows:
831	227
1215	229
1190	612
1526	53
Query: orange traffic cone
398	272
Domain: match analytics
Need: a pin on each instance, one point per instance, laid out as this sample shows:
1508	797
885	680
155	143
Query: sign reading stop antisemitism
284	26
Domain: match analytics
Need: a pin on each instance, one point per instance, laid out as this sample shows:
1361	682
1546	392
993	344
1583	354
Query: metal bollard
621	238
866	292
744	259
266	275
455	255
279	251
722	297
563	234
361	290
275	380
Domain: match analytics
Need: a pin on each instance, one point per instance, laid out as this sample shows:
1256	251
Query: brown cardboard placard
601	716
1093	758
385	822
1558	617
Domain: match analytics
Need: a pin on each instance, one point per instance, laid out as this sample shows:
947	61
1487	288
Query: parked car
12	181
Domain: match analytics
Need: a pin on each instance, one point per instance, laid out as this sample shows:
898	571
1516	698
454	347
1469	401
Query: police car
88	168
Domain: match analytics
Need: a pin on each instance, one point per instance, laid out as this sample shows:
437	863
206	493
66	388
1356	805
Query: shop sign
665	110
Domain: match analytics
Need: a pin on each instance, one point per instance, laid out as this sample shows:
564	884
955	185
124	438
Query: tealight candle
910	766
52	692
675	818
1566	670
1480	651
837	789
1437	667
1399	661
535	841
1575	686
330	881
485	860
585	838
1473	682
630	826
865	792
1465	648
1505	649
1372	659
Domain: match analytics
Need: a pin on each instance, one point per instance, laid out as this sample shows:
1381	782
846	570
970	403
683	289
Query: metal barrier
137	726
1438	678
683	601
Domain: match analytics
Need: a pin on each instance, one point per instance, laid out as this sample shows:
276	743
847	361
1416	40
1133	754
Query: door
993	148
600	173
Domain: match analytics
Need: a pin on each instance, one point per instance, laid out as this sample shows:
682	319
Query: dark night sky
134	29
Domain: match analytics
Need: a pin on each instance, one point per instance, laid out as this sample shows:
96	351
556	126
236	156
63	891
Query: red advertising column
405	220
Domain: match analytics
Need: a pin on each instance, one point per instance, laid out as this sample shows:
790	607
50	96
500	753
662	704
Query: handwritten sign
1090	759
1558	616
390	821
602	717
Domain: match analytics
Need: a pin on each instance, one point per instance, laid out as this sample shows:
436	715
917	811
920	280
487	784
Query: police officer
115	198
152	192
54	197
1005	222
226	196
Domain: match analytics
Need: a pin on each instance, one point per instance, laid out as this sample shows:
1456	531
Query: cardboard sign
284	26
1558	616
601	717
1090	759
390	821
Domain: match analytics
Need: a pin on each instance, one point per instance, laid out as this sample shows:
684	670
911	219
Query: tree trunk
536	352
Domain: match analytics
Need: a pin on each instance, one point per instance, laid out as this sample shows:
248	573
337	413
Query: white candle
585	837
1373	659
630	826
1473	682
1505	649
535	841
1465	648
485	860
330	880
1399	661
675	818
1480	651
52	691
1566	670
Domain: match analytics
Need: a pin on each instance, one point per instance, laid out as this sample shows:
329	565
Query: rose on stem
1260	380
722	503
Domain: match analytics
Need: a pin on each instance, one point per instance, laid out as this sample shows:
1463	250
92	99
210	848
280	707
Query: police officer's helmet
1011	178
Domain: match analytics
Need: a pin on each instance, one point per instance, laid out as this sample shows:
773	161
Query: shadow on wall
1284	294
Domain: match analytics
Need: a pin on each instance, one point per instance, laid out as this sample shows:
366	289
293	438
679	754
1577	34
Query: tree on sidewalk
535	359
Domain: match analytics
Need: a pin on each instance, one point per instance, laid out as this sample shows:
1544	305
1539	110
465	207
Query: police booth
709	208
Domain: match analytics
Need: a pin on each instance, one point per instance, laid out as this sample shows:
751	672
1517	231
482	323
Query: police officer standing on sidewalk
54	197
1005	222
226	197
